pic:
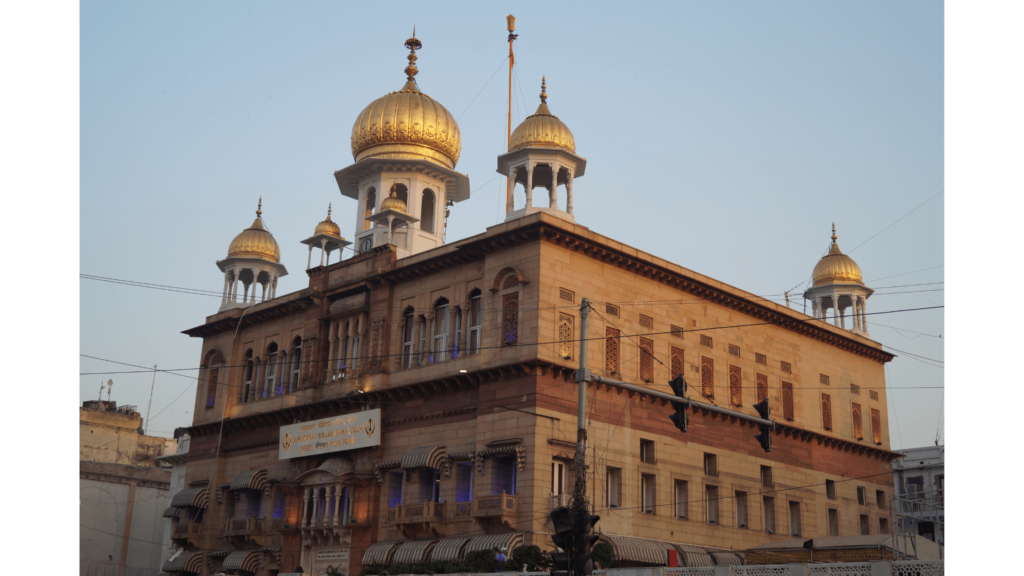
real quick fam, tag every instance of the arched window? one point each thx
(247, 376)
(458, 332)
(510, 318)
(371, 203)
(268, 372)
(439, 332)
(475, 321)
(213, 362)
(408, 338)
(296, 366)
(427, 211)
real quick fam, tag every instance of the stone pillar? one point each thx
(282, 371)
(234, 285)
(464, 332)
(358, 348)
(224, 295)
(420, 337)
(553, 192)
(316, 504)
(337, 504)
(274, 285)
(428, 322)
(305, 506)
(263, 292)
(529, 184)
(568, 191)
(512, 189)
(331, 343)
(835, 306)
(349, 358)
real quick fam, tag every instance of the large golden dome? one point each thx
(542, 129)
(328, 226)
(407, 124)
(836, 267)
(255, 242)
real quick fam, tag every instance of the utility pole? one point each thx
(579, 493)
(150, 407)
(508, 141)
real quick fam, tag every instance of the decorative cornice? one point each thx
(257, 315)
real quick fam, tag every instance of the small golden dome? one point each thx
(393, 202)
(836, 267)
(327, 226)
(543, 129)
(407, 124)
(255, 242)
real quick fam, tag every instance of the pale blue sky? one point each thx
(723, 136)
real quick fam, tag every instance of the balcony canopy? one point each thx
(246, 560)
(380, 553)
(491, 541)
(195, 497)
(251, 480)
(424, 457)
(449, 549)
(185, 562)
(413, 551)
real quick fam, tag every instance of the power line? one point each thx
(897, 221)
(503, 346)
(905, 273)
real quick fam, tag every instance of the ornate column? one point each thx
(420, 338)
(464, 332)
(529, 184)
(316, 504)
(274, 284)
(305, 506)
(553, 192)
(331, 340)
(428, 321)
(358, 348)
(512, 188)
(234, 288)
(224, 295)
(452, 343)
(282, 372)
(568, 191)
(350, 357)
(337, 504)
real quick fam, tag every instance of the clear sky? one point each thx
(723, 136)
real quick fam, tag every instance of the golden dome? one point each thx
(393, 202)
(543, 129)
(836, 267)
(327, 226)
(407, 124)
(255, 242)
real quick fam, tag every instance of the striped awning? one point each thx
(245, 560)
(197, 497)
(380, 467)
(727, 559)
(448, 549)
(491, 541)
(380, 553)
(219, 553)
(413, 551)
(171, 512)
(251, 480)
(631, 549)
(424, 457)
(185, 562)
(694, 556)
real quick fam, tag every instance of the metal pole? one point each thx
(508, 141)
(150, 407)
(580, 488)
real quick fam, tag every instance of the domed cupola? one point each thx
(327, 237)
(837, 285)
(541, 152)
(408, 141)
(254, 257)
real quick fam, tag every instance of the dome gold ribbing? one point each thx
(328, 226)
(836, 267)
(542, 129)
(255, 242)
(393, 202)
(407, 124)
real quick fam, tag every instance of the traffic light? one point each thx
(680, 418)
(573, 534)
(765, 437)
(562, 526)
(583, 560)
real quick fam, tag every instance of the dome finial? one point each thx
(259, 208)
(413, 45)
(834, 232)
(543, 90)
(328, 211)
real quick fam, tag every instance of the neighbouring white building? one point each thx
(176, 463)
(920, 484)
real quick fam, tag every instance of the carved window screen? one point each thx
(873, 394)
(677, 332)
(646, 360)
(566, 295)
(826, 411)
(211, 388)
(854, 389)
(707, 377)
(762, 388)
(735, 385)
(677, 367)
(876, 426)
(510, 281)
(611, 351)
(706, 341)
(647, 321)
(761, 358)
(787, 400)
(611, 310)
(787, 368)
(565, 325)
(858, 428)
(510, 323)
(823, 378)
(734, 350)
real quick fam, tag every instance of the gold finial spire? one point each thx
(413, 45)
(394, 191)
(328, 211)
(259, 209)
(833, 231)
(543, 90)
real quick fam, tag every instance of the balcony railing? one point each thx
(187, 530)
(500, 505)
(559, 500)
(239, 526)
(407, 513)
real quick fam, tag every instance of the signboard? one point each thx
(336, 555)
(334, 434)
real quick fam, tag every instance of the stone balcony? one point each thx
(246, 530)
(187, 533)
(417, 520)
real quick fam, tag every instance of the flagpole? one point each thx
(508, 142)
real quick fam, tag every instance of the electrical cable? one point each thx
(897, 221)
(482, 89)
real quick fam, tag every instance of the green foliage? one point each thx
(532, 556)
(479, 561)
(603, 556)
